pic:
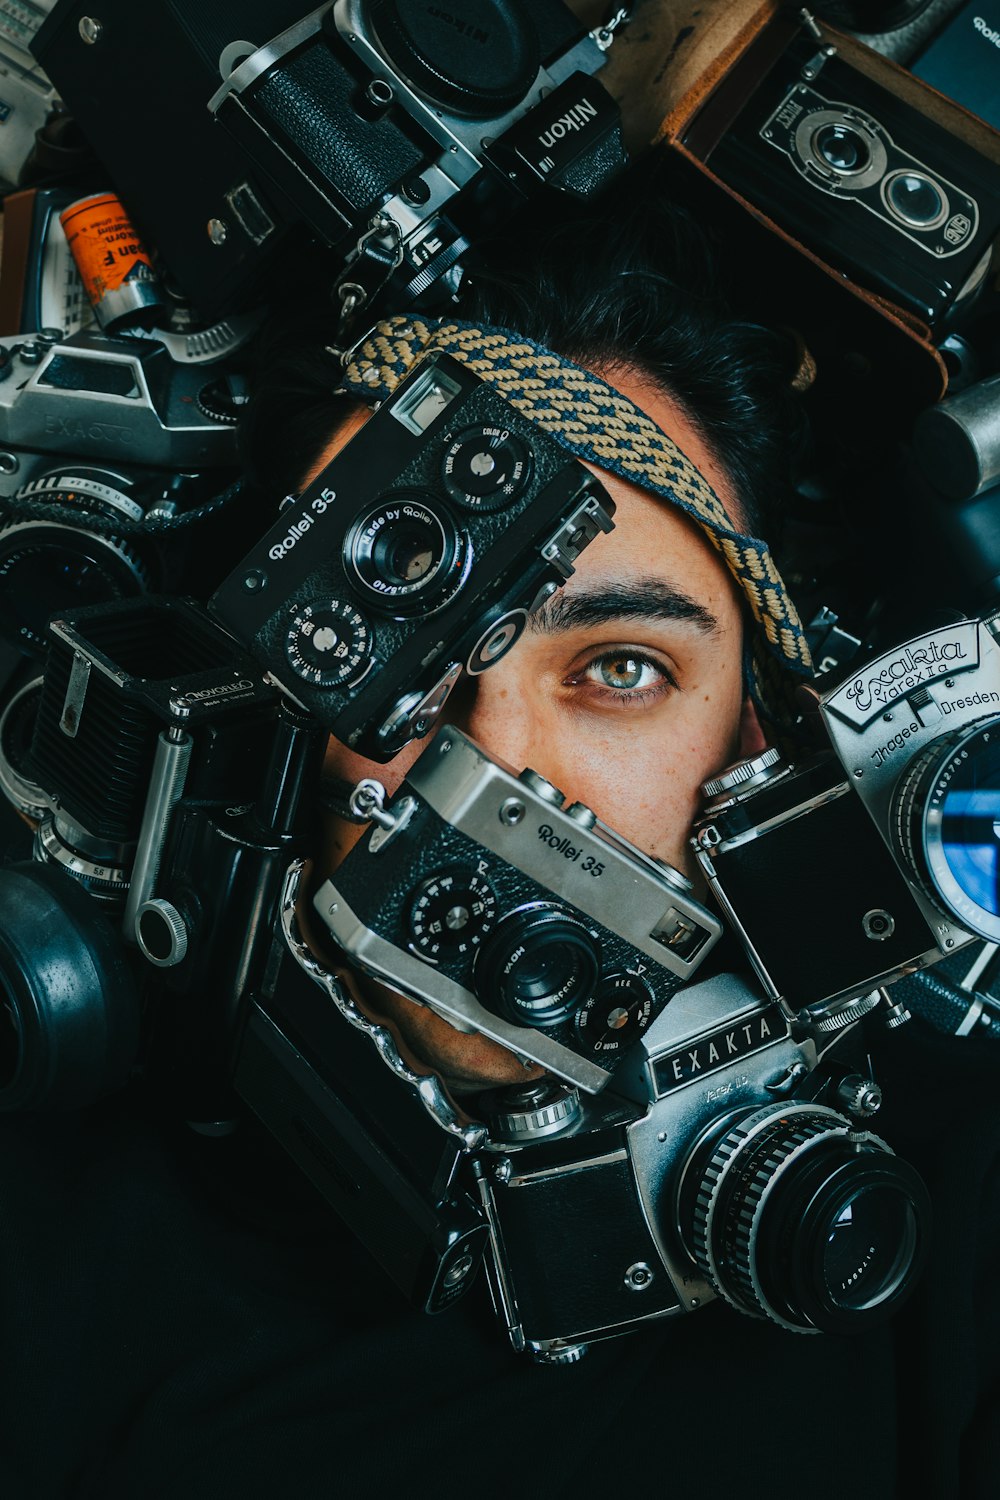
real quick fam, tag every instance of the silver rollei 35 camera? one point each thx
(901, 818)
(483, 897)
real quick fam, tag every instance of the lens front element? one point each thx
(407, 555)
(947, 823)
(796, 1218)
(539, 966)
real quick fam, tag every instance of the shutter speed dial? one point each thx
(329, 643)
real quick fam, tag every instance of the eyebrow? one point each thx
(647, 599)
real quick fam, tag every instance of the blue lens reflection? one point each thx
(969, 833)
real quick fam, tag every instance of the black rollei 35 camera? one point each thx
(482, 896)
(417, 554)
(877, 188)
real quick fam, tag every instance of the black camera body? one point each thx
(416, 555)
(880, 190)
(483, 896)
(899, 814)
(362, 121)
(170, 786)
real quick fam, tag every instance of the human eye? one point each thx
(623, 675)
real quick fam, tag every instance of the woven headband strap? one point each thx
(595, 422)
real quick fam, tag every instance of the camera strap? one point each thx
(593, 421)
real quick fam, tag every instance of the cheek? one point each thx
(647, 783)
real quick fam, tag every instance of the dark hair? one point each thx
(628, 279)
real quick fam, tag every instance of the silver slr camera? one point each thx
(900, 814)
(480, 894)
(730, 1158)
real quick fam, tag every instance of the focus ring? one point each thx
(813, 1123)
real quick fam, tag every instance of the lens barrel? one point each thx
(407, 555)
(538, 967)
(69, 1006)
(796, 1217)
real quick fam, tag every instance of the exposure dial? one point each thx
(329, 643)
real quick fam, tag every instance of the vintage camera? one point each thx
(481, 895)
(729, 1156)
(899, 814)
(879, 189)
(169, 786)
(417, 554)
(365, 121)
(113, 454)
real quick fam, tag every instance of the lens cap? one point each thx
(478, 58)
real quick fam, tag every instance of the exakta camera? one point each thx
(415, 556)
(900, 815)
(879, 189)
(729, 1156)
(480, 894)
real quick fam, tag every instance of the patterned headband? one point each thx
(595, 422)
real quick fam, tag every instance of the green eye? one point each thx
(622, 672)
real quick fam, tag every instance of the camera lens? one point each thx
(792, 1219)
(69, 1008)
(947, 819)
(46, 568)
(843, 148)
(538, 967)
(406, 555)
(479, 61)
(915, 199)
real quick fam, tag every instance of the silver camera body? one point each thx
(484, 897)
(900, 814)
(729, 1158)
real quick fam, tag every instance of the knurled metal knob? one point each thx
(751, 771)
(530, 1110)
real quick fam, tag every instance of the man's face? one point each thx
(625, 691)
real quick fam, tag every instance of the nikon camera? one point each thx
(392, 130)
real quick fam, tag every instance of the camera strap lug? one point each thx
(366, 804)
(617, 18)
(377, 254)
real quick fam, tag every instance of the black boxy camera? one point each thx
(363, 121)
(169, 786)
(879, 189)
(483, 896)
(417, 554)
